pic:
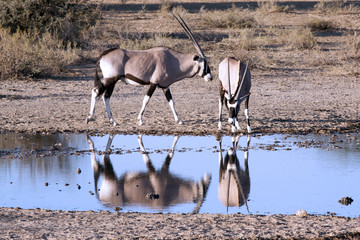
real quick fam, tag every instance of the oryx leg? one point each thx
(232, 117)
(221, 101)
(146, 101)
(106, 98)
(237, 108)
(94, 95)
(246, 111)
(172, 104)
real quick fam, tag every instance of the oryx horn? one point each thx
(189, 33)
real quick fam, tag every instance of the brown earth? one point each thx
(297, 98)
(293, 102)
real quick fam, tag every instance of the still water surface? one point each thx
(276, 174)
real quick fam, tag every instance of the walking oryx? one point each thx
(157, 189)
(157, 67)
(235, 84)
(234, 182)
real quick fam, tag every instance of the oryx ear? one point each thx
(196, 58)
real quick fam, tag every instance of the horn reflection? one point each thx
(157, 189)
(234, 182)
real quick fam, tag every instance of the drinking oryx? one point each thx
(157, 189)
(157, 67)
(234, 182)
(235, 84)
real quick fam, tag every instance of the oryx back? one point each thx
(231, 73)
(235, 85)
(160, 65)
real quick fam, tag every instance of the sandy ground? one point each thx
(44, 224)
(292, 103)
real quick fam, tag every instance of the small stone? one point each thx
(78, 171)
(346, 201)
(301, 213)
(152, 196)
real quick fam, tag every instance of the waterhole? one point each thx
(258, 174)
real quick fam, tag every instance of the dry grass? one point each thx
(273, 6)
(317, 24)
(337, 6)
(300, 38)
(233, 18)
(26, 54)
(273, 36)
(353, 41)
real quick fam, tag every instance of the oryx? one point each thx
(235, 84)
(157, 67)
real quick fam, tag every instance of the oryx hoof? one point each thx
(219, 126)
(180, 122)
(249, 129)
(113, 123)
(88, 119)
(140, 122)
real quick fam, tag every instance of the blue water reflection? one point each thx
(271, 174)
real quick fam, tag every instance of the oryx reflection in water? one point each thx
(234, 182)
(156, 189)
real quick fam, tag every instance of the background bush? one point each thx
(24, 55)
(38, 37)
(65, 18)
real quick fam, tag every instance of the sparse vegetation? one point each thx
(38, 37)
(67, 19)
(273, 6)
(353, 42)
(300, 38)
(233, 18)
(321, 25)
(337, 6)
(26, 55)
(266, 39)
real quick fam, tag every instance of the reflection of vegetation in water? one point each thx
(33, 151)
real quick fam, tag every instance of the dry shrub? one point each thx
(273, 6)
(346, 67)
(26, 55)
(337, 6)
(300, 38)
(234, 18)
(158, 39)
(321, 25)
(167, 7)
(245, 39)
(353, 41)
(65, 18)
